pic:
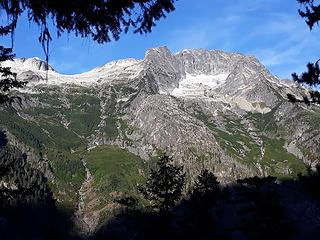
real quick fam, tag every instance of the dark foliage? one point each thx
(198, 212)
(312, 183)
(257, 182)
(250, 209)
(310, 10)
(314, 98)
(8, 79)
(164, 185)
(205, 187)
(3, 139)
(254, 208)
(27, 207)
(128, 202)
(99, 19)
(267, 218)
(311, 79)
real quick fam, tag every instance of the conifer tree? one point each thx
(164, 185)
(8, 79)
(206, 185)
(310, 11)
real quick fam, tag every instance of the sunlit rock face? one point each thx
(28, 64)
(164, 68)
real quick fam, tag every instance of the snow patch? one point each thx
(198, 85)
(26, 64)
(120, 70)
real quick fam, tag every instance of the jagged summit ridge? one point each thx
(201, 61)
(193, 61)
(27, 64)
(189, 73)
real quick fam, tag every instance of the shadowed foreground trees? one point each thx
(252, 208)
(312, 183)
(267, 220)
(310, 11)
(8, 79)
(164, 185)
(27, 206)
(206, 186)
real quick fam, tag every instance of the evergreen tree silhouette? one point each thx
(310, 11)
(164, 185)
(206, 186)
(199, 210)
(8, 79)
(266, 218)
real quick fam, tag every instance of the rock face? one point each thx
(32, 64)
(209, 109)
(165, 69)
(206, 62)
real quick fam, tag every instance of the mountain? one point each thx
(95, 134)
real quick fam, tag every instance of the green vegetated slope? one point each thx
(278, 162)
(115, 169)
(25, 183)
(56, 125)
(116, 174)
(246, 144)
(79, 110)
(56, 129)
(110, 130)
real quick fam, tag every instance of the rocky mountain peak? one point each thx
(189, 73)
(208, 62)
(27, 64)
(164, 68)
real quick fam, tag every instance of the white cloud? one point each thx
(293, 41)
(215, 32)
(66, 48)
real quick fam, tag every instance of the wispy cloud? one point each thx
(291, 44)
(270, 29)
(277, 36)
(215, 32)
(66, 48)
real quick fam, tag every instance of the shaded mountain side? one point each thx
(27, 206)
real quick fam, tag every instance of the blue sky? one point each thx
(269, 29)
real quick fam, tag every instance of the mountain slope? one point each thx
(222, 111)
